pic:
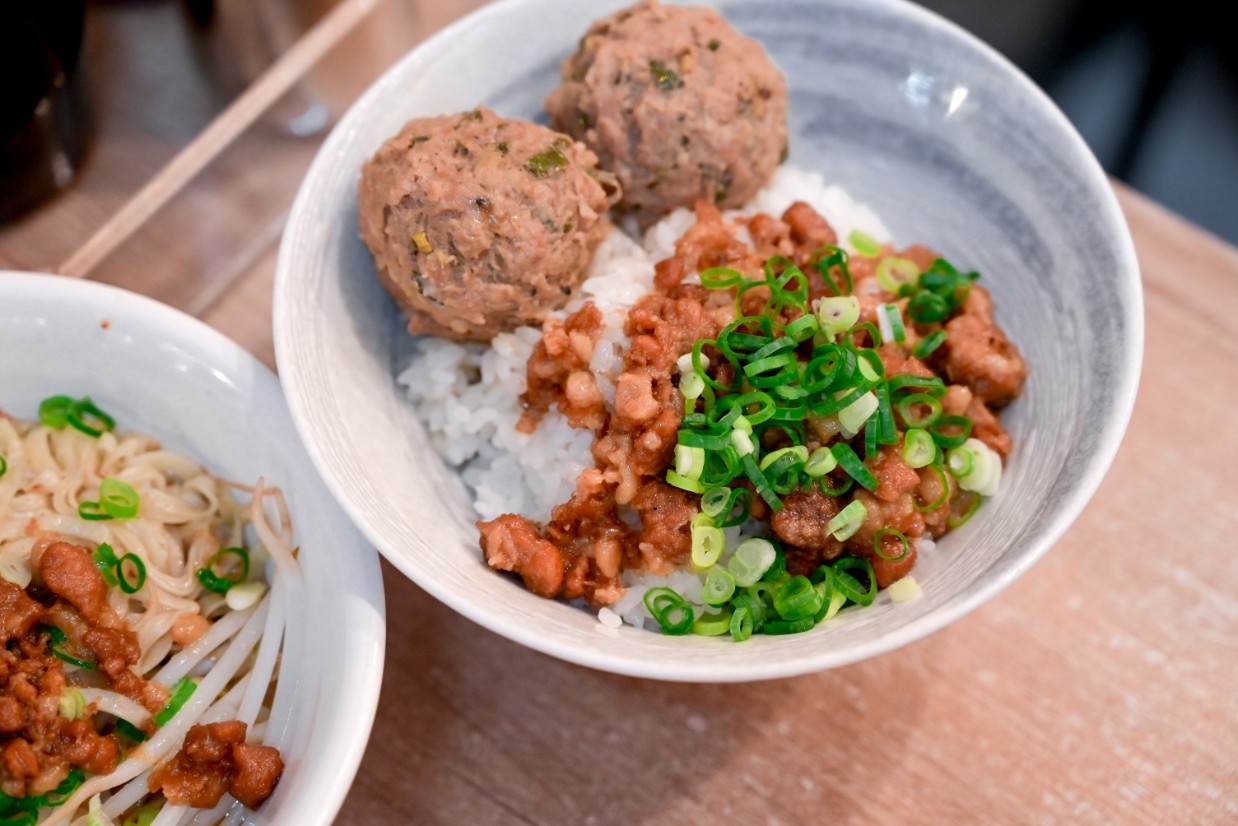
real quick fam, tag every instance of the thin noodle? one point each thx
(186, 517)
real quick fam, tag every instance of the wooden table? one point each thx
(1101, 688)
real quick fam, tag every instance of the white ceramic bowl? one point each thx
(944, 138)
(160, 371)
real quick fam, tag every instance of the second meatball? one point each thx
(677, 104)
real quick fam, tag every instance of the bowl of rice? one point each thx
(903, 129)
(141, 444)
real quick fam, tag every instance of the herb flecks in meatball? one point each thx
(677, 104)
(479, 224)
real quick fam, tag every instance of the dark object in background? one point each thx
(43, 117)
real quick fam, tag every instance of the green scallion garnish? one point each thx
(82, 414)
(220, 583)
(180, 695)
(670, 610)
(56, 639)
(117, 500)
(131, 580)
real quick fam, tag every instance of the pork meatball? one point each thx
(479, 224)
(677, 104)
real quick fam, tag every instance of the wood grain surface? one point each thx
(1100, 688)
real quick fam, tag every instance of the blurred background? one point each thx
(1152, 87)
(1153, 90)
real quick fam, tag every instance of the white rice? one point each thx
(468, 395)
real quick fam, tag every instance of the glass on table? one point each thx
(43, 113)
(206, 239)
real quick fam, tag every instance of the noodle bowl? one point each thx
(227, 643)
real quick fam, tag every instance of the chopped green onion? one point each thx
(830, 258)
(864, 244)
(797, 454)
(838, 313)
(92, 512)
(85, 416)
(909, 406)
(919, 449)
(212, 581)
(670, 610)
(851, 463)
(751, 560)
(890, 322)
(803, 327)
(904, 590)
(879, 542)
(689, 461)
(130, 586)
(180, 695)
(929, 344)
(960, 461)
(24, 811)
(849, 520)
(820, 462)
(836, 599)
(743, 622)
(713, 625)
(865, 328)
(951, 431)
(691, 386)
(742, 442)
(118, 499)
(759, 482)
(681, 482)
(893, 273)
(868, 362)
(962, 508)
(928, 308)
(127, 729)
(105, 560)
(980, 466)
(852, 588)
(721, 278)
(789, 626)
(797, 600)
(72, 704)
(54, 411)
(853, 416)
(714, 500)
(945, 491)
(245, 594)
(735, 511)
(57, 638)
(708, 543)
(719, 586)
(926, 384)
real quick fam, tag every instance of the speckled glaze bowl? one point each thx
(948, 142)
(159, 371)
